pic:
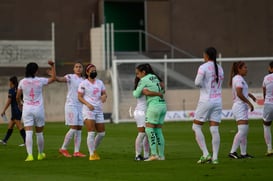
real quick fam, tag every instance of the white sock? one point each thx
(77, 140)
(98, 139)
(243, 143)
(91, 142)
(40, 142)
(68, 138)
(267, 137)
(214, 130)
(239, 138)
(146, 146)
(199, 136)
(139, 143)
(29, 141)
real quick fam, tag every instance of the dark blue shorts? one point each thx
(16, 116)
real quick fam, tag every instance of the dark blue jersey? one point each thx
(15, 111)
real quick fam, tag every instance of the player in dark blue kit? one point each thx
(16, 114)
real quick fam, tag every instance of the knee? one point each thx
(101, 134)
(214, 130)
(196, 127)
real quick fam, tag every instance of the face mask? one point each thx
(93, 75)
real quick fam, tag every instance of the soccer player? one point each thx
(156, 110)
(141, 141)
(31, 87)
(16, 113)
(240, 108)
(73, 111)
(92, 94)
(268, 108)
(209, 79)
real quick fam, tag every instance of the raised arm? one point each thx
(61, 79)
(53, 72)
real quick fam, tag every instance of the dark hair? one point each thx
(235, 70)
(271, 64)
(212, 54)
(14, 81)
(88, 66)
(148, 70)
(31, 69)
(136, 82)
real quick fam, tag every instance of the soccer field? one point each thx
(117, 156)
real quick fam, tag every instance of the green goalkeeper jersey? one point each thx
(151, 83)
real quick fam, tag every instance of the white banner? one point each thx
(19, 53)
(226, 114)
(188, 115)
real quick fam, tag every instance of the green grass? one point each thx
(117, 153)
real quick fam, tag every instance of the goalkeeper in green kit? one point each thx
(156, 109)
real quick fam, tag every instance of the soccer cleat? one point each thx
(161, 158)
(41, 156)
(29, 158)
(21, 145)
(152, 158)
(93, 157)
(204, 159)
(269, 153)
(79, 154)
(139, 158)
(215, 162)
(247, 156)
(65, 153)
(3, 142)
(234, 155)
(96, 155)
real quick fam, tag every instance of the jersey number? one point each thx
(31, 93)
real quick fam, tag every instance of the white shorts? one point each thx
(268, 112)
(34, 116)
(97, 116)
(240, 111)
(73, 115)
(208, 111)
(139, 116)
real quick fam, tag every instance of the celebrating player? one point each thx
(73, 111)
(141, 141)
(209, 78)
(156, 110)
(92, 94)
(31, 87)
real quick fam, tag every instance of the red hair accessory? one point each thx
(89, 67)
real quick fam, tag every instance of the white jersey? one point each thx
(141, 104)
(239, 82)
(268, 84)
(92, 93)
(210, 90)
(32, 91)
(73, 82)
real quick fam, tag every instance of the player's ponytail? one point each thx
(212, 54)
(235, 70)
